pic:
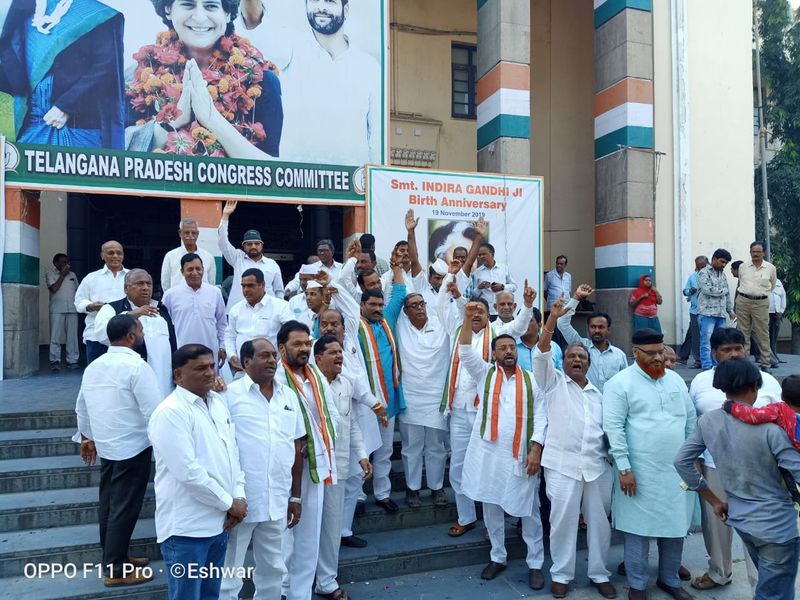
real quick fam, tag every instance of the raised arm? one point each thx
(471, 360)
(544, 371)
(519, 325)
(392, 310)
(228, 251)
(413, 253)
(480, 232)
(449, 317)
(565, 322)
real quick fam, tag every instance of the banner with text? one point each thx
(448, 203)
(212, 99)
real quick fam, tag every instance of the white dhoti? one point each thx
(301, 542)
(270, 568)
(418, 443)
(382, 463)
(569, 498)
(330, 537)
(64, 330)
(353, 489)
(461, 423)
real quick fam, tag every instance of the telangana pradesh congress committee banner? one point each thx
(448, 203)
(248, 98)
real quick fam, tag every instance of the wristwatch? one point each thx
(295, 500)
(624, 471)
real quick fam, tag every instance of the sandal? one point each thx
(337, 594)
(704, 582)
(457, 530)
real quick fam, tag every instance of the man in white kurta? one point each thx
(301, 544)
(647, 415)
(499, 470)
(329, 359)
(423, 344)
(258, 315)
(269, 434)
(171, 272)
(459, 398)
(575, 461)
(197, 308)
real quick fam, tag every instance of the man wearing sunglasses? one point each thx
(647, 415)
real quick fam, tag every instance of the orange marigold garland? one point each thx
(233, 77)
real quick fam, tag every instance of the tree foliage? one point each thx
(780, 60)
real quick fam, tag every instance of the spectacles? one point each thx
(661, 352)
(416, 305)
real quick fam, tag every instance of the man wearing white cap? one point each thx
(250, 256)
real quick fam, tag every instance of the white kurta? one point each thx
(171, 274)
(424, 355)
(197, 315)
(491, 473)
(246, 322)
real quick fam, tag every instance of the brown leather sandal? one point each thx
(457, 530)
(704, 582)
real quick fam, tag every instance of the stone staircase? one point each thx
(49, 508)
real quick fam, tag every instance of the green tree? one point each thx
(780, 60)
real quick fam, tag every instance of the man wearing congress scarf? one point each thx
(301, 543)
(376, 339)
(501, 466)
(459, 397)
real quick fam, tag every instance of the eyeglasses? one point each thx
(661, 352)
(416, 305)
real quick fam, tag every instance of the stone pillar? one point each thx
(503, 87)
(208, 214)
(21, 285)
(623, 150)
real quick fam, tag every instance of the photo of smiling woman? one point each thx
(203, 90)
(61, 61)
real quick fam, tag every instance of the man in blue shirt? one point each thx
(377, 343)
(527, 344)
(691, 342)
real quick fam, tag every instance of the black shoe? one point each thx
(684, 574)
(439, 498)
(55, 366)
(73, 366)
(696, 365)
(412, 499)
(388, 505)
(535, 579)
(361, 506)
(621, 569)
(678, 593)
(492, 570)
(352, 541)
(766, 370)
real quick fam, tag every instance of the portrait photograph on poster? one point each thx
(249, 97)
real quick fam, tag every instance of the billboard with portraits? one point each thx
(263, 99)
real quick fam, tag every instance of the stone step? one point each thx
(38, 420)
(37, 443)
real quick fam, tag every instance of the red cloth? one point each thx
(648, 307)
(779, 413)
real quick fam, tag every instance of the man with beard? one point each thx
(459, 398)
(358, 274)
(607, 359)
(199, 485)
(329, 358)
(197, 308)
(404, 258)
(321, 417)
(647, 415)
(575, 462)
(96, 290)
(118, 394)
(258, 315)
(270, 435)
(324, 63)
(251, 256)
(501, 466)
(159, 333)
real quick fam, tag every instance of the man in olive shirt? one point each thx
(756, 282)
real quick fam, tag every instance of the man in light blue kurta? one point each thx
(647, 415)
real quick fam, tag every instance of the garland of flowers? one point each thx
(233, 79)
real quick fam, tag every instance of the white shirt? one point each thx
(707, 398)
(351, 81)
(156, 341)
(98, 286)
(247, 322)
(349, 441)
(197, 465)
(574, 442)
(197, 315)
(298, 305)
(118, 394)
(241, 262)
(387, 281)
(265, 435)
(171, 267)
(424, 358)
(423, 286)
(499, 273)
(555, 285)
(293, 287)
(777, 298)
(62, 301)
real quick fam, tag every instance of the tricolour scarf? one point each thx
(494, 417)
(455, 365)
(372, 356)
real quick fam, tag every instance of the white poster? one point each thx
(448, 203)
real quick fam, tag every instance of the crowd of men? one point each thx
(265, 417)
